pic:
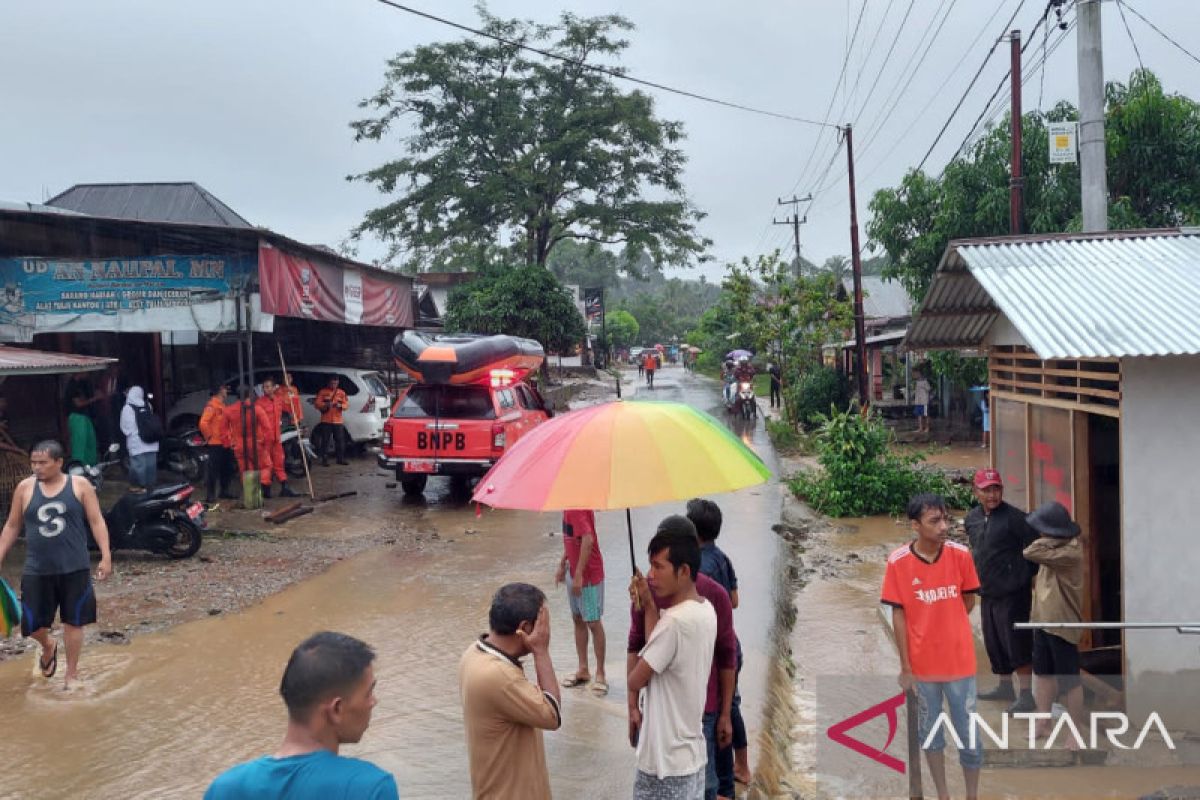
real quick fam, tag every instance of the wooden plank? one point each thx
(1087, 375)
(1107, 411)
(1082, 495)
(1058, 388)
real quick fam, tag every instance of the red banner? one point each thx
(294, 286)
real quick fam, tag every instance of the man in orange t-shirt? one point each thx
(215, 429)
(931, 584)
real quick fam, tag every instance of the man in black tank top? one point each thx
(56, 511)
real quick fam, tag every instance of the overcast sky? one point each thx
(251, 99)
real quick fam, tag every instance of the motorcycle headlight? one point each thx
(745, 387)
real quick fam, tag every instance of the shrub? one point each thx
(785, 437)
(818, 390)
(859, 476)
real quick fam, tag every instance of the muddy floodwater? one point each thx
(160, 717)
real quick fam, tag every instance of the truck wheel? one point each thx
(413, 485)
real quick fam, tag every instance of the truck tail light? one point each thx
(387, 435)
(498, 436)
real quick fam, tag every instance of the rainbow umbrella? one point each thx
(620, 455)
(10, 609)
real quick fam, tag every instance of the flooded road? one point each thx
(162, 716)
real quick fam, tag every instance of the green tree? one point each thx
(523, 301)
(584, 265)
(783, 317)
(622, 329)
(1153, 148)
(507, 146)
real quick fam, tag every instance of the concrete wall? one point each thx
(1160, 474)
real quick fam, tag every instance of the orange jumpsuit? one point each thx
(289, 398)
(213, 425)
(274, 407)
(261, 443)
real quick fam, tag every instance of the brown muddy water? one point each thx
(160, 717)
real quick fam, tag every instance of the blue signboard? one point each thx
(40, 287)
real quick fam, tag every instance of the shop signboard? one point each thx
(131, 294)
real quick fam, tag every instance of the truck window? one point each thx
(448, 402)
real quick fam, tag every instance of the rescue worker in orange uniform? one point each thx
(292, 404)
(215, 429)
(273, 402)
(250, 427)
(331, 402)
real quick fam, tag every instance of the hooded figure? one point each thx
(143, 455)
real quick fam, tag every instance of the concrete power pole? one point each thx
(795, 221)
(1093, 167)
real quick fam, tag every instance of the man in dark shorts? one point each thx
(57, 511)
(998, 533)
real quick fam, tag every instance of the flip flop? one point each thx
(48, 670)
(600, 688)
(573, 681)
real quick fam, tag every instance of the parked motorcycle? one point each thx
(162, 520)
(184, 454)
(293, 440)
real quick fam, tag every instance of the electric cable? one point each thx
(970, 86)
(1125, 22)
(611, 73)
(1156, 29)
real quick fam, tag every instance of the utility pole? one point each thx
(860, 326)
(795, 221)
(1093, 169)
(1016, 183)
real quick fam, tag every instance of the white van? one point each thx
(370, 401)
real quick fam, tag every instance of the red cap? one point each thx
(987, 477)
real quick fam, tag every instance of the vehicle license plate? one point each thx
(419, 466)
(195, 510)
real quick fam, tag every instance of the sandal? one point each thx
(48, 670)
(600, 688)
(573, 681)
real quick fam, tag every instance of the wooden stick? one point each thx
(281, 512)
(312, 495)
(299, 511)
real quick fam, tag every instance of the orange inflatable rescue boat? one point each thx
(458, 358)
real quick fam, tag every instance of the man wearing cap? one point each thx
(1057, 597)
(998, 534)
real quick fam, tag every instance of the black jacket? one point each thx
(996, 545)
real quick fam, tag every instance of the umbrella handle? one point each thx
(637, 600)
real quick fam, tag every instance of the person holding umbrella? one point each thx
(670, 667)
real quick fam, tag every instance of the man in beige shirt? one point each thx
(504, 714)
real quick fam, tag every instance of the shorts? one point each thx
(590, 604)
(960, 702)
(1008, 649)
(920, 411)
(1056, 658)
(69, 595)
(672, 787)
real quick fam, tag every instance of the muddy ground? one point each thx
(245, 559)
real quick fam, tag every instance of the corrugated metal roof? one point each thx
(881, 298)
(154, 202)
(22, 361)
(1079, 296)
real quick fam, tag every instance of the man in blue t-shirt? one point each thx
(329, 689)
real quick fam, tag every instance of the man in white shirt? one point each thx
(673, 668)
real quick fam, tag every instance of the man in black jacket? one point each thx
(998, 535)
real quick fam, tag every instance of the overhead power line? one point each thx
(1132, 41)
(1157, 30)
(602, 70)
(971, 85)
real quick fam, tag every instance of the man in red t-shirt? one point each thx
(582, 567)
(931, 584)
